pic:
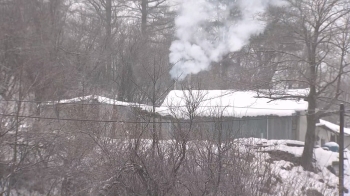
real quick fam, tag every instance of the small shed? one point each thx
(329, 132)
(109, 117)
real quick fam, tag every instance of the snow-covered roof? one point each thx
(332, 127)
(228, 103)
(102, 100)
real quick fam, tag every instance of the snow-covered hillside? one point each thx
(291, 178)
(240, 167)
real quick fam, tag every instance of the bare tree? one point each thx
(314, 26)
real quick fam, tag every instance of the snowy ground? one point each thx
(282, 158)
(291, 179)
(295, 180)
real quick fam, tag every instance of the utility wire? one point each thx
(127, 104)
(146, 122)
(140, 106)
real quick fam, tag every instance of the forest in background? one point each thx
(59, 49)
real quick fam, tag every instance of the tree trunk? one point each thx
(108, 40)
(311, 118)
(307, 156)
(144, 13)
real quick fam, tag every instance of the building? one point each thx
(99, 115)
(329, 132)
(190, 114)
(229, 114)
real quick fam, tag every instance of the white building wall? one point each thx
(347, 142)
(302, 127)
(323, 134)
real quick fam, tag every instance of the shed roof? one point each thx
(101, 100)
(332, 127)
(229, 103)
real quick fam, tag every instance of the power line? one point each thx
(174, 120)
(157, 111)
(143, 106)
(70, 119)
(127, 104)
(51, 103)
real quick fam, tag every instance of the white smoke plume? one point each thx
(206, 31)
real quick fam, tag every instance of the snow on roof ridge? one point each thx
(332, 126)
(101, 99)
(232, 103)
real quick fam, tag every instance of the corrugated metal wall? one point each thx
(258, 127)
(281, 128)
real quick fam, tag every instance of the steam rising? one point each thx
(206, 31)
